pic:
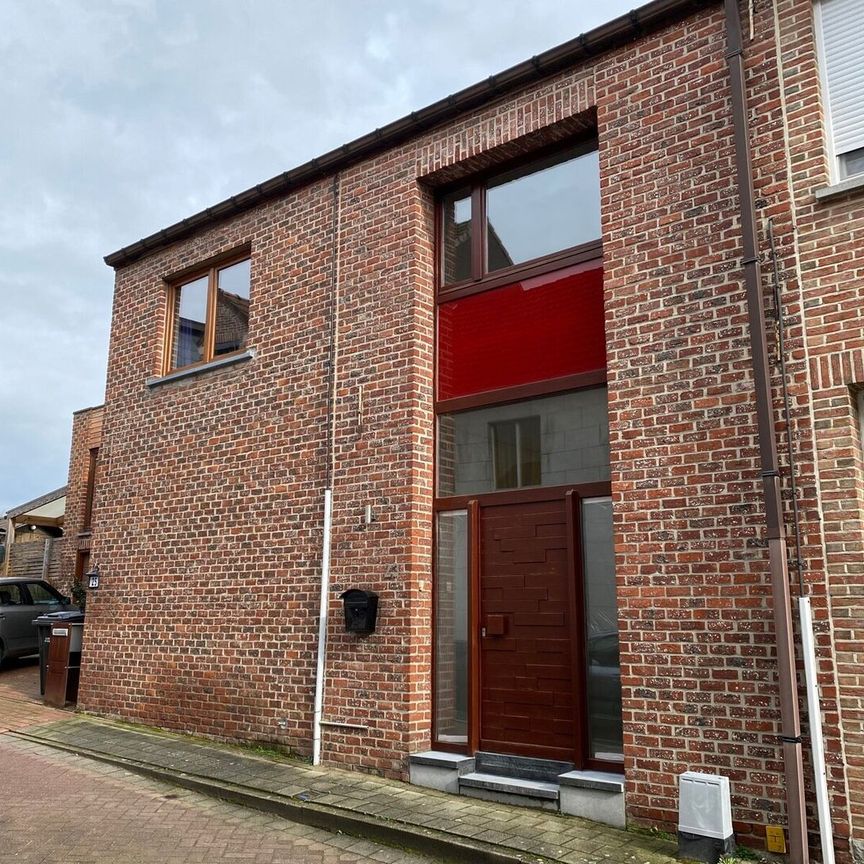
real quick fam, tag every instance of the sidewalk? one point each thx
(449, 827)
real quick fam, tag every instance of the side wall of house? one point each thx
(86, 436)
(831, 279)
(209, 509)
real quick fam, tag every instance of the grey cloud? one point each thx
(122, 117)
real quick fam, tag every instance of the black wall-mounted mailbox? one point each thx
(361, 610)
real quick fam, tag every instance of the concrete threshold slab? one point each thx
(426, 841)
(511, 785)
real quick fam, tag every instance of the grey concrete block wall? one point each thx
(574, 440)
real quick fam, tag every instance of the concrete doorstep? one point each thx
(433, 823)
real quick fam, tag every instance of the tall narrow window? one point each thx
(451, 627)
(87, 518)
(232, 308)
(209, 315)
(190, 323)
(605, 735)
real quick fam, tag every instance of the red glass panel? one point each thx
(540, 328)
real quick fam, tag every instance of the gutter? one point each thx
(616, 32)
(790, 719)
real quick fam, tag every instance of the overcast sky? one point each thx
(120, 118)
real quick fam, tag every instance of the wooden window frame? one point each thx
(175, 285)
(481, 279)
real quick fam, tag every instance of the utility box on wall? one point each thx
(704, 817)
(361, 610)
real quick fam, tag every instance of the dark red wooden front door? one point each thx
(527, 630)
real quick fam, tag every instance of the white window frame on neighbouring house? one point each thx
(839, 26)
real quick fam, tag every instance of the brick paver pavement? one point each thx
(63, 809)
(563, 839)
(20, 701)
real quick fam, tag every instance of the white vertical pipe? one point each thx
(323, 614)
(817, 746)
(324, 607)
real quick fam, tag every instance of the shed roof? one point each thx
(36, 503)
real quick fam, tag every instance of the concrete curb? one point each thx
(426, 841)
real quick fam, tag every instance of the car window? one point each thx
(11, 595)
(43, 595)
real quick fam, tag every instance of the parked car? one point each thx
(21, 601)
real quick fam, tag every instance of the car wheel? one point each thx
(2, 653)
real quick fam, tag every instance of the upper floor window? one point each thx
(521, 215)
(840, 29)
(90, 491)
(209, 315)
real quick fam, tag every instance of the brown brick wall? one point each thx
(209, 505)
(86, 435)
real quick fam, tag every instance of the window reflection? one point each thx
(232, 308)
(190, 320)
(456, 250)
(550, 441)
(541, 209)
(516, 452)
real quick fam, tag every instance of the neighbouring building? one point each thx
(83, 473)
(35, 540)
(527, 343)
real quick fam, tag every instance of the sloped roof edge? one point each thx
(596, 41)
(47, 498)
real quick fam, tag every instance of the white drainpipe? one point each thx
(324, 606)
(323, 615)
(817, 747)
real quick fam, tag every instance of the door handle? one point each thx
(483, 631)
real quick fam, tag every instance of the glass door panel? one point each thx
(451, 627)
(603, 674)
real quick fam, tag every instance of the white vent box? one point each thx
(704, 816)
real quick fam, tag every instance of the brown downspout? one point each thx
(789, 715)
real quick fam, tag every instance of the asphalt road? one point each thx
(59, 808)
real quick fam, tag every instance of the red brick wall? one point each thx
(694, 597)
(830, 275)
(209, 508)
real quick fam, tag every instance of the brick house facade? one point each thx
(209, 510)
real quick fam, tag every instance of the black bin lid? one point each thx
(70, 617)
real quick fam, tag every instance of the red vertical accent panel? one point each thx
(540, 328)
